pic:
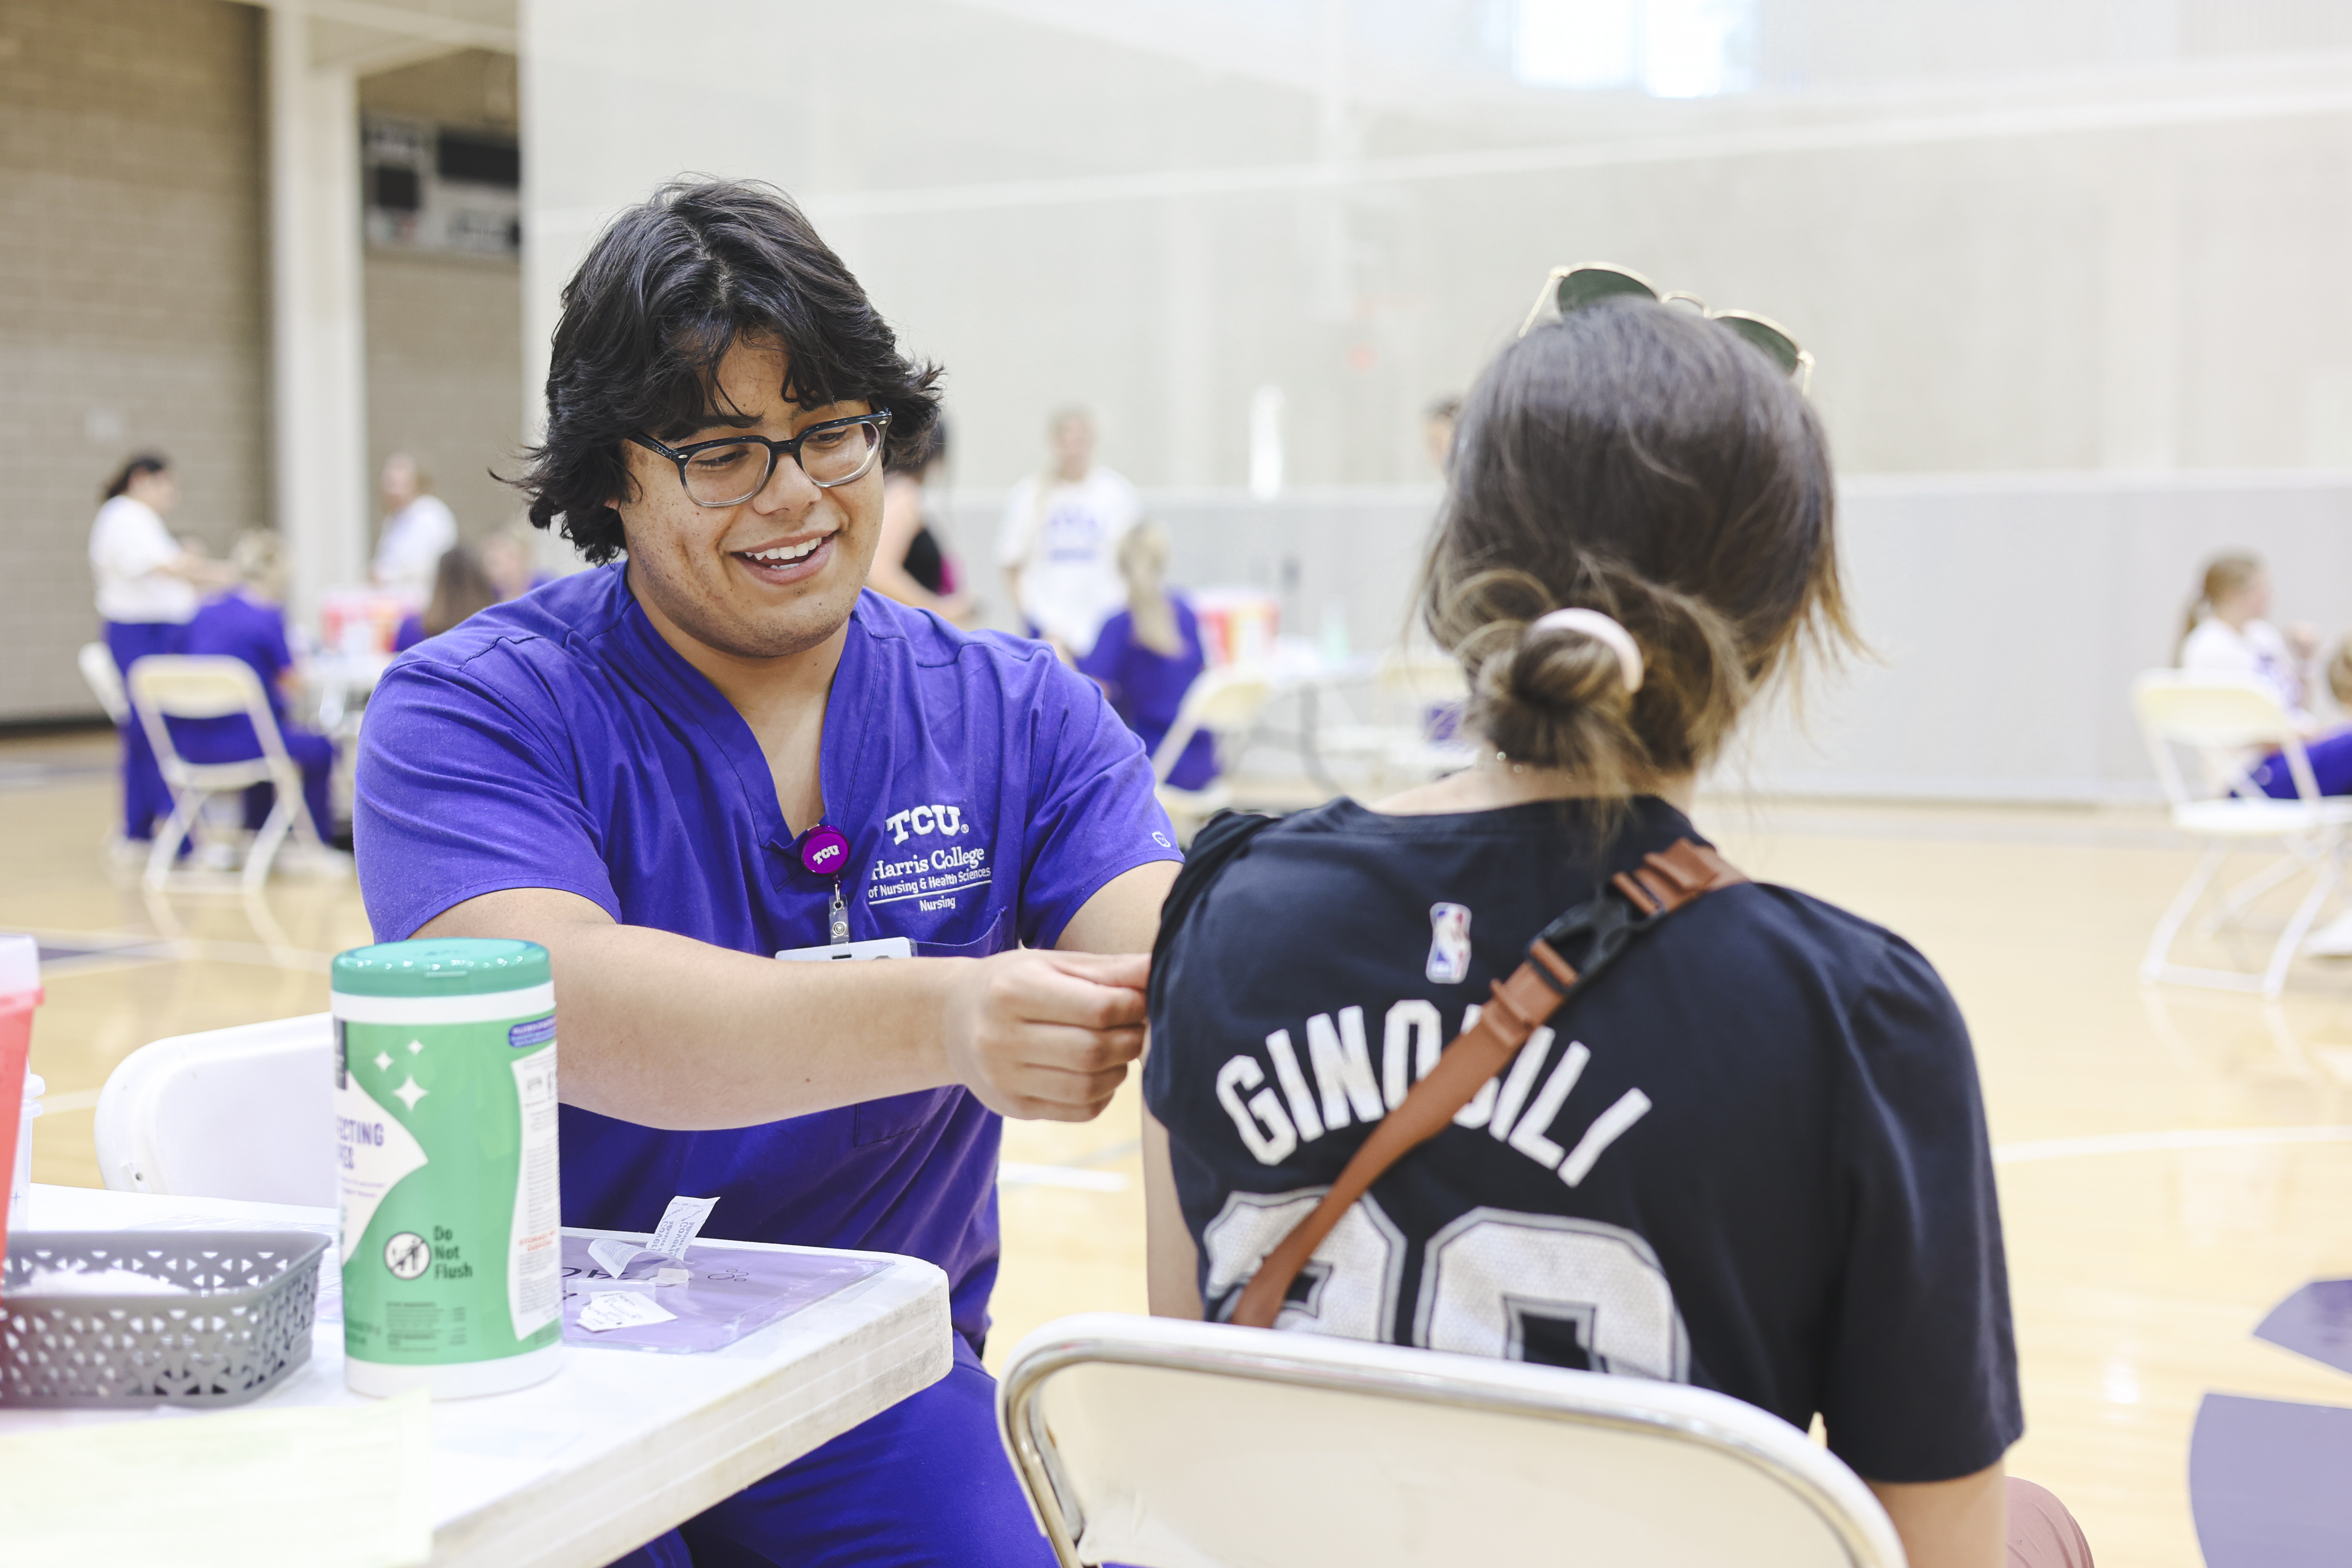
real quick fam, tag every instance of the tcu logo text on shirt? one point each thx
(947, 820)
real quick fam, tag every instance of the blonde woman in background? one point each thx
(1148, 653)
(417, 528)
(2227, 632)
(1059, 545)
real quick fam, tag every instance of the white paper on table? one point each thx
(345, 1487)
(680, 1224)
(622, 1309)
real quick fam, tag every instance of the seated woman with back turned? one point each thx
(1751, 1155)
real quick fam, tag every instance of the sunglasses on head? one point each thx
(1573, 288)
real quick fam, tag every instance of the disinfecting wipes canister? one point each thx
(444, 1139)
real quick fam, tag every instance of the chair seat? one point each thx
(2240, 818)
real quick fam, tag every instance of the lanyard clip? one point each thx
(837, 918)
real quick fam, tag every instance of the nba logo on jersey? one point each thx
(1449, 944)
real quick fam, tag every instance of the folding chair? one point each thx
(1416, 681)
(2230, 722)
(105, 681)
(244, 1113)
(185, 685)
(1226, 702)
(1178, 1445)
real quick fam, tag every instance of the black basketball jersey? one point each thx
(1751, 1156)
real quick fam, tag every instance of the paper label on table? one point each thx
(304, 1486)
(373, 1152)
(622, 1309)
(534, 1269)
(680, 1224)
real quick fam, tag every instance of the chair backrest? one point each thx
(1421, 676)
(1204, 1445)
(246, 1112)
(200, 686)
(1223, 701)
(105, 681)
(2223, 718)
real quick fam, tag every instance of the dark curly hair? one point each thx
(668, 288)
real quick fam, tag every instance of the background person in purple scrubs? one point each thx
(620, 766)
(249, 622)
(1150, 654)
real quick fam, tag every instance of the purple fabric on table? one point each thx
(2331, 769)
(2317, 1321)
(558, 742)
(923, 1484)
(145, 796)
(237, 627)
(733, 1292)
(1147, 689)
(2266, 1483)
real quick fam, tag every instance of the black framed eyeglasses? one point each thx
(733, 470)
(1573, 288)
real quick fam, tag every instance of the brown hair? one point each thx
(1645, 462)
(146, 463)
(2225, 576)
(460, 588)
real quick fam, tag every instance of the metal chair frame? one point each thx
(215, 686)
(2226, 719)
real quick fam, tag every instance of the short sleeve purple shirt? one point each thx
(557, 742)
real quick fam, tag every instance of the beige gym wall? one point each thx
(132, 312)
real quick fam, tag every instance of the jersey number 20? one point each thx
(1522, 1287)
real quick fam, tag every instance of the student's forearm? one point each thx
(666, 1031)
(670, 1032)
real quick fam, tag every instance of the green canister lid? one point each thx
(441, 966)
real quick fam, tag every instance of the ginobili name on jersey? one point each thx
(1513, 1106)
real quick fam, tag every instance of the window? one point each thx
(1667, 49)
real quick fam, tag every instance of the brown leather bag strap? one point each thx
(1663, 883)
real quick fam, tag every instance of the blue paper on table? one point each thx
(731, 1291)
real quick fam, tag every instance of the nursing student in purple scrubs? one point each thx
(249, 622)
(1148, 655)
(627, 765)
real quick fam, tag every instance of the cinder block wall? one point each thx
(132, 312)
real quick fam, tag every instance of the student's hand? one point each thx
(1047, 1034)
(2303, 640)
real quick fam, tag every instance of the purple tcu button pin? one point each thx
(824, 852)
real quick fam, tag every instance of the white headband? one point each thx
(1601, 629)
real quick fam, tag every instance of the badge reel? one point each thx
(825, 853)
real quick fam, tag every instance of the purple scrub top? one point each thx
(1147, 689)
(240, 628)
(986, 791)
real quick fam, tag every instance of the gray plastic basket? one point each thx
(249, 1327)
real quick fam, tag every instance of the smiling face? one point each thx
(766, 578)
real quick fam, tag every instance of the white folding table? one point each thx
(620, 1445)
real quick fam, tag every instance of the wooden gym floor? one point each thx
(2172, 1163)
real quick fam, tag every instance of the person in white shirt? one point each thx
(147, 594)
(2227, 634)
(417, 528)
(1059, 547)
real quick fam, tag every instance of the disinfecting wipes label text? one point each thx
(534, 1289)
(373, 1152)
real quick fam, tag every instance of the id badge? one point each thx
(878, 947)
